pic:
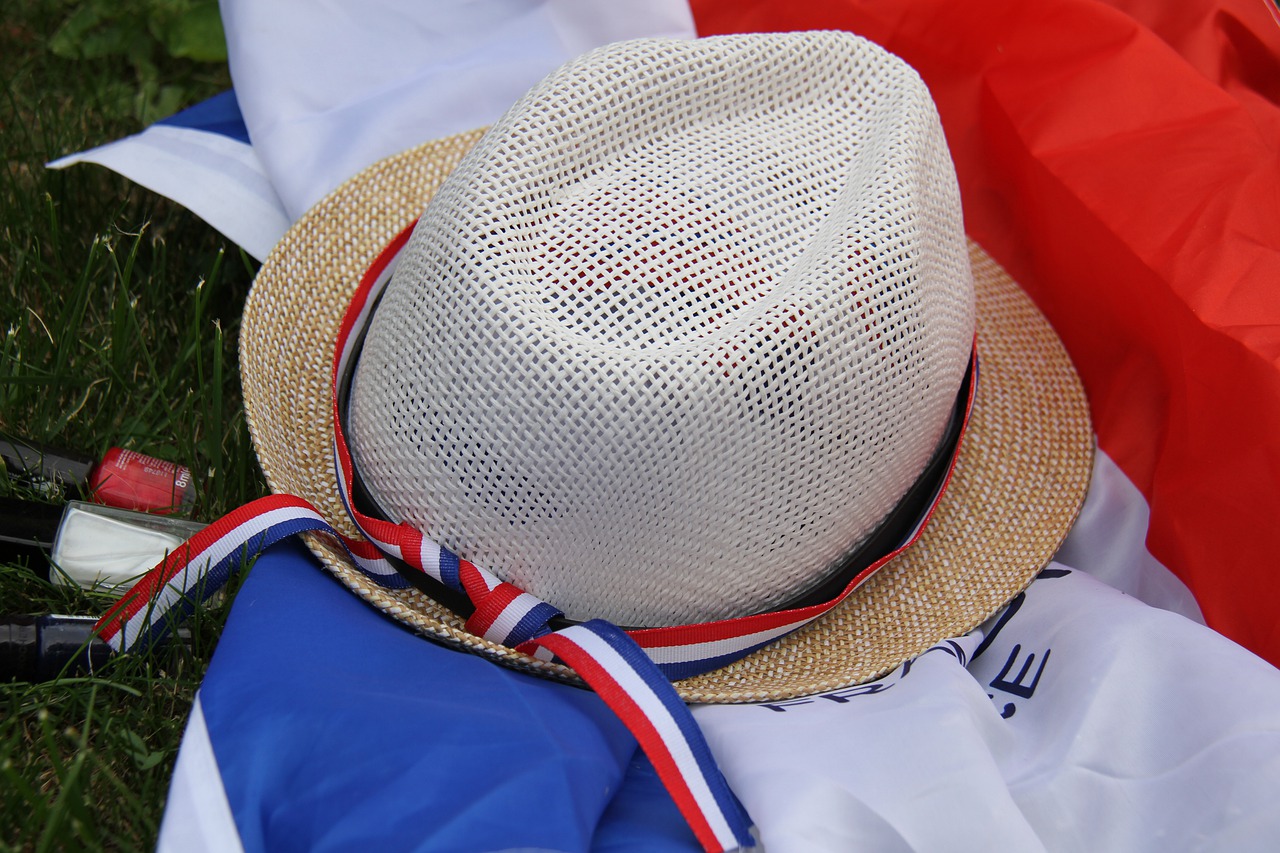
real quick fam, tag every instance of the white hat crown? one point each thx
(679, 332)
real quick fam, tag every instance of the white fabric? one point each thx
(1092, 722)
(219, 178)
(197, 815)
(325, 92)
(1109, 542)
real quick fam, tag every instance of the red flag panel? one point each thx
(1122, 161)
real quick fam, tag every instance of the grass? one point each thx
(118, 320)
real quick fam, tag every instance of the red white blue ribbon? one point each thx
(631, 671)
(620, 672)
(602, 654)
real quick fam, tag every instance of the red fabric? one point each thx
(1122, 161)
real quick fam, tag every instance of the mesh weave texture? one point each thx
(679, 331)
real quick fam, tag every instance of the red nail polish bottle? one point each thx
(122, 478)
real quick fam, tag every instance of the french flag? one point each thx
(1118, 157)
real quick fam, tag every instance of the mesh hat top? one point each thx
(662, 351)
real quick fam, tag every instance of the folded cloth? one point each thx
(1079, 719)
(327, 94)
(323, 725)
(202, 158)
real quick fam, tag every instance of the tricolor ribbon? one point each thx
(632, 670)
(601, 653)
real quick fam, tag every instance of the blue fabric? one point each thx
(219, 114)
(642, 816)
(335, 728)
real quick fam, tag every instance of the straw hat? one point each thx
(670, 340)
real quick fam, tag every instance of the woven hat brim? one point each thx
(1017, 487)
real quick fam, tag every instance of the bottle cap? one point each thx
(50, 470)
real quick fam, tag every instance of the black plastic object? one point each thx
(53, 471)
(41, 648)
(27, 531)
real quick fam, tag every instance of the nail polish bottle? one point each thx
(121, 478)
(89, 544)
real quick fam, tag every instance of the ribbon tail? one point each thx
(634, 688)
(192, 573)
